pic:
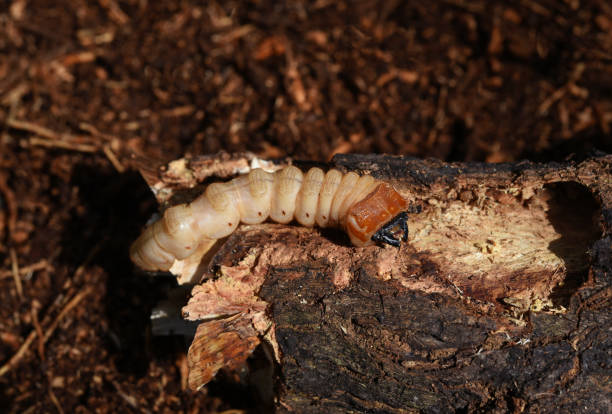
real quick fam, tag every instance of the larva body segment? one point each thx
(150, 255)
(346, 187)
(308, 197)
(364, 207)
(287, 185)
(331, 182)
(214, 223)
(364, 186)
(177, 233)
(252, 194)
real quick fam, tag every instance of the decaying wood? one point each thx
(499, 301)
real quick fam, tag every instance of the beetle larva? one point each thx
(367, 209)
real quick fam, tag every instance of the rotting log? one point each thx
(499, 301)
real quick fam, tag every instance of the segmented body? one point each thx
(361, 205)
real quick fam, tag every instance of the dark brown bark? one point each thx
(499, 301)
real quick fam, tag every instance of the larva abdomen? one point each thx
(288, 182)
(308, 197)
(215, 220)
(331, 182)
(359, 205)
(251, 195)
(346, 187)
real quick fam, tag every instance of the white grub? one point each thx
(358, 204)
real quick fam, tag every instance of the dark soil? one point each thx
(84, 85)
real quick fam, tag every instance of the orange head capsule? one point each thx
(373, 218)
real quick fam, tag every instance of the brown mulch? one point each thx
(85, 85)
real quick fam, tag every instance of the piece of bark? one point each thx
(498, 302)
(182, 179)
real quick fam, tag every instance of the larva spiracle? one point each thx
(367, 209)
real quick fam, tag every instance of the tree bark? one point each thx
(498, 302)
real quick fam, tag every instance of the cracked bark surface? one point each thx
(498, 302)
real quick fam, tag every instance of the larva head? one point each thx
(372, 213)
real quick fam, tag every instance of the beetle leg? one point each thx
(400, 220)
(404, 226)
(386, 235)
(383, 236)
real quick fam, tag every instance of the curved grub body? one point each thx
(360, 205)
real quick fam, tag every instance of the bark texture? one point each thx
(499, 301)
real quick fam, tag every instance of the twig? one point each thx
(18, 355)
(48, 138)
(562, 91)
(39, 332)
(42, 264)
(63, 144)
(79, 57)
(113, 158)
(15, 272)
(233, 34)
(114, 11)
(11, 205)
(35, 129)
(55, 401)
(183, 367)
(26, 344)
(106, 148)
(73, 302)
(97, 133)
(554, 97)
(126, 397)
(179, 111)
